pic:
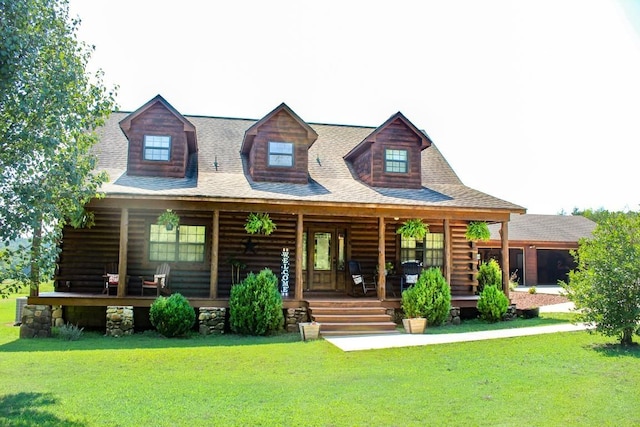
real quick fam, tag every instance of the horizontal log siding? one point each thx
(85, 251)
(280, 128)
(396, 136)
(267, 248)
(363, 240)
(463, 261)
(157, 120)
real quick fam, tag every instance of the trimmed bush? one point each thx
(492, 304)
(430, 297)
(489, 273)
(172, 316)
(255, 305)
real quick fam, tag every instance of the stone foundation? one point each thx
(119, 321)
(57, 316)
(36, 321)
(511, 313)
(295, 316)
(212, 320)
(454, 316)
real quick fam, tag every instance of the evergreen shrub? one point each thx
(255, 305)
(492, 304)
(172, 316)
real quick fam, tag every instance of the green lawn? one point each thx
(547, 380)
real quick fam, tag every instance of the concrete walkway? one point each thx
(373, 342)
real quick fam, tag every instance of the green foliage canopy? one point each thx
(605, 286)
(49, 108)
(430, 297)
(489, 274)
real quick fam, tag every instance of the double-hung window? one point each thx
(157, 148)
(396, 161)
(185, 243)
(281, 154)
(429, 251)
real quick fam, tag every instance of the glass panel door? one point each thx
(322, 254)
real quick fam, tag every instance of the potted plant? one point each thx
(309, 330)
(388, 268)
(413, 304)
(169, 219)
(413, 228)
(477, 231)
(259, 223)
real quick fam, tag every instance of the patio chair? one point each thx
(410, 272)
(110, 277)
(160, 281)
(359, 279)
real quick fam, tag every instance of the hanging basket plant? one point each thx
(259, 223)
(169, 219)
(413, 228)
(478, 231)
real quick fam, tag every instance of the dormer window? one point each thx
(157, 148)
(396, 161)
(281, 154)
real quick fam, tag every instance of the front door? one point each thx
(322, 260)
(324, 254)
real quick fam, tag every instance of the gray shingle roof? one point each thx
(331, 179)
(546, 228)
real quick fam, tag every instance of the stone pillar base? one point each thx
(294, 317)
(36, 321)
(212, 320)
(119, 320)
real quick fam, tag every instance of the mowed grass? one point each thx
(145, 380)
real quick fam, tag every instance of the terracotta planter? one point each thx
(309, 330)
(415, 325)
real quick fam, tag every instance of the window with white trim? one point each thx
(185, 243)
(429, 251)
(281, 154)
(157, 148)
(396, 160)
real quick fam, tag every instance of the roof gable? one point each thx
(189, 128)
(252, 132)
(425, 142)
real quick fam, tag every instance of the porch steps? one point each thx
(358, 317)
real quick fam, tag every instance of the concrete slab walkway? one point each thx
(373, 342)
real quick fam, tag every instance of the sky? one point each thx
(534, 102)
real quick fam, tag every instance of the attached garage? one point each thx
(539, 246)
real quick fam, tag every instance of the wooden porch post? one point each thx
(504, 233)
(213, 281)
(381, 259)
(447, 251)
(299, 234)
(123, 252)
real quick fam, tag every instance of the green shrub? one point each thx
(492, 304)
(430, 297)
(172, 316)
(69, 332)
(255, 305)
(533, 290)
(489, 273)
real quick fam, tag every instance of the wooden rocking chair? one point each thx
(359, 279)
(160, 281)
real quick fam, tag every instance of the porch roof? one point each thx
(221, 171)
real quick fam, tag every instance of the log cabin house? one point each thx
(335, 193)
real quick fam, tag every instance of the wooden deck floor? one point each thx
(102, 300)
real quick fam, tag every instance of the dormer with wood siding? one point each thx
(391, 155)
(276, 148)
(161, 141)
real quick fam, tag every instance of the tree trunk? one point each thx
(627, 335)
(36, 245)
